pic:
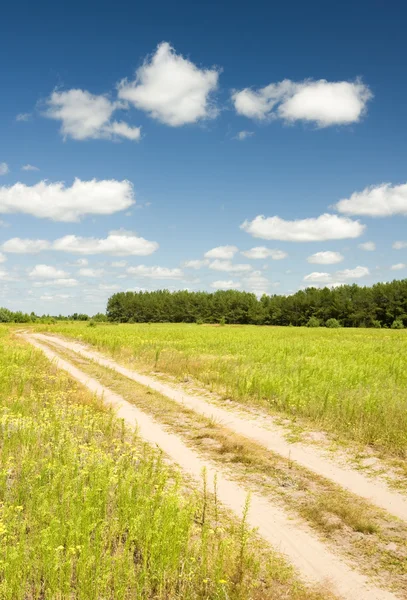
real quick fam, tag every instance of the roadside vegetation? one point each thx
(88, 511)
(351, 382)
(376, 542)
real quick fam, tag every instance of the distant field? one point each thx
(349, 381)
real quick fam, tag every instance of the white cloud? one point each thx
(195, 264)
(108, 287)
(171, 88)
(81, 262)
(256, 282)
(47, 272)
(226, 285)
(48, 297)
(29, 168)
(368, 246)
(4, 169)
(85, 115)
(322, 102)
(223, 252)
(155, 272)
(382, 200)
(243, 135)
(399, 245)
(2, 258)
(338, 276)
(318, 277)
(261, 252)
(398, 267)
(62, 282)
(228, 266)
(25, 246)
(355, 273)
(85, 272)
(325, 258)
(60, 203)
(324, 227)
(116, 244)
(4, 275)
(23, 116)
(118, 264)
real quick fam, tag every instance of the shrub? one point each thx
(222, 321)
(376, 324)
(313, 322)
(397, 324)
(332, 323)
(199, 322)
(92, 323)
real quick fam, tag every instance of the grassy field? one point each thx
(89, 512)
(352, 382)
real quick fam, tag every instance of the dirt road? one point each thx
(314, 562)
(267, 434)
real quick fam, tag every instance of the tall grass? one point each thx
(88, 512)
(349, 381)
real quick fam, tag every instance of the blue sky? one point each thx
(217, 134)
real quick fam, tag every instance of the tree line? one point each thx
(381, 305)
(9, 316)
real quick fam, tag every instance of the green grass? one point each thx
(88, 512)
(351, 382)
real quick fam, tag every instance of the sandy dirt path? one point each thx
(271, 437)
(314, 562)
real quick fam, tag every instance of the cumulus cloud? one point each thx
(256, 282)
(107, 287)
(324, 227)
(116, 244)
(49, 297)
(261, 252)
(84, 115)
(118, 264)
(223, 252)
(86, 272)
(399, 245)
(58, 202)
(195, 264)
(398, 267)
(322, 102)
(243, 135)
(325, 258)
(228, 266)
(25, 246)
(368, 246)
(61, 282)
(4, 168)
(171, 88)
(355, 273)
(2, 258)
(226, 285)
(382, 200)
(29, 168)
(47, 272)
(338, 276)
(155, 272)
(81, 262)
